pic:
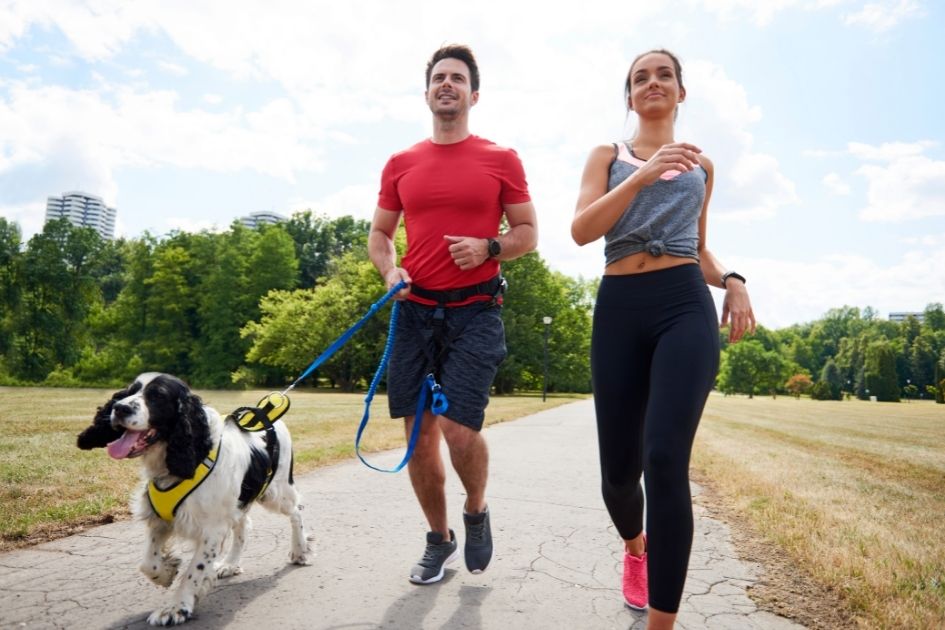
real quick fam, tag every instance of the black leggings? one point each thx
(654, 357)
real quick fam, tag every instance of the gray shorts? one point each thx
(467, 368)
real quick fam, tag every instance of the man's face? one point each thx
(450, 94)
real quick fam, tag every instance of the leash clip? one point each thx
(438, 403)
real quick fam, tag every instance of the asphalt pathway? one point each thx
(557, 562)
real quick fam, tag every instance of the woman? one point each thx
(655, 345)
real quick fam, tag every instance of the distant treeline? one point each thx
(847, 352)
(254, 307)
(245, 307)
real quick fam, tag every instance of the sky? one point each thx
(822, 117)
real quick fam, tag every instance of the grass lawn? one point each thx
(853, 491)
(48, 487)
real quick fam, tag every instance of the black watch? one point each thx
(732, 274)
(495, 248)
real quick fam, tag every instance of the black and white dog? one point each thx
(200, 474)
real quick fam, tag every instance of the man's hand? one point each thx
(468, 252)
(393, 277)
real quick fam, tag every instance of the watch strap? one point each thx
(732, 274)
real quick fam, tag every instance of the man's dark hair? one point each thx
(456, 51)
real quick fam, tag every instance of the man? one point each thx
(452, 190)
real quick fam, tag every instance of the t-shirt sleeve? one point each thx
(514, 186)
(388, 198)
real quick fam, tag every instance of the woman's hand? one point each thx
(678, 156)
(737, 308)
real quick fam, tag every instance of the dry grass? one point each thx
(48, 487)
(852, 491)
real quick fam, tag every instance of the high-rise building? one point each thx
(83, 210)
(903, 315)
(255, 219)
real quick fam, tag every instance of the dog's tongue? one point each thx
(120, 448)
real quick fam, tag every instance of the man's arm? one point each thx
(469, 252)
(382, 252)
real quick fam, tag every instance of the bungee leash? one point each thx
(429, 387)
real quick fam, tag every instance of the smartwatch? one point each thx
(495, 248)
(732, 274)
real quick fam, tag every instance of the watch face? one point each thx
(495, 248)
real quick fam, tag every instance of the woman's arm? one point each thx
(736, 306)
(597, 209)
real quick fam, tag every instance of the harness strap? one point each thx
(449, 296)
(261, 417)
(165, 501)
(441, 340)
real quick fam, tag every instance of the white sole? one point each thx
(416, 579)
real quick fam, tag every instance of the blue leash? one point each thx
(429, 387)
(439, 403)
(343, 339)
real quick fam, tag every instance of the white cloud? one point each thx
(906, 185)
(119, 126)
(358, 201)
(718, 116)
(787, 292)
(836, 185)
(882, 16)
(889, 151)
(927, 240)
(173, 68)
(213, 99)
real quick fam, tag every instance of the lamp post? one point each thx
(544, 384)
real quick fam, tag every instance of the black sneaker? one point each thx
(478, 541)
(437, 554)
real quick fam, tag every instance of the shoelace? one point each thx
(432, 553)
(477, 532)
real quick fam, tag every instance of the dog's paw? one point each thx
(228, 570)
(302, 556)
(163, 573)
(170, 616)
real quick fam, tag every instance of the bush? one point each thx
(823, 391)
(798, 384)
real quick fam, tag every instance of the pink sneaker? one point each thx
(635, 591)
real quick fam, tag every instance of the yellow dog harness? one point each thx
(166, 501)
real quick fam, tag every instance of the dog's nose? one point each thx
(121, 411)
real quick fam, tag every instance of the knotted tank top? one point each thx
(663, 218)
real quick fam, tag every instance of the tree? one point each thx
(934, 317)
(921, 359)
(171, 306)
(534, 293)
(830, 375)
(880, 372)
(297, 326)
(747, 368)
(318, 240)
(10, 241)
(57, 293)
(798, 384)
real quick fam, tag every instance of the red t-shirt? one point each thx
(457, 189)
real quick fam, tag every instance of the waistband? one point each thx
(653, 288)
(491, 288)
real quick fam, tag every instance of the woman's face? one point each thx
(654, 86)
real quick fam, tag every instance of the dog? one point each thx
(200, 476)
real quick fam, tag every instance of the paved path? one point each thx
(557, 565)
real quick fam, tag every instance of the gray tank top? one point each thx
(663, 218)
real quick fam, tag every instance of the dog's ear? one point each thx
(189, 441)
(101, 432)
